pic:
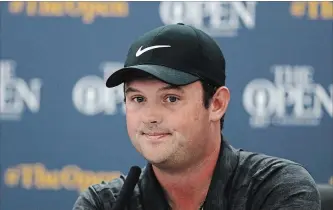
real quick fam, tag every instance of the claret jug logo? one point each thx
(16, 94)
(217, 18)
(293, 99)
(91, 97)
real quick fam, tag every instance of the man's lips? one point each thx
(155, 135)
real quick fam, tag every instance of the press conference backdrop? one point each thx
(62, 130)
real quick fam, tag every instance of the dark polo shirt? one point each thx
(241, 181)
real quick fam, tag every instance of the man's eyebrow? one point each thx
(171, 87)
(131, 89)
(168, 87)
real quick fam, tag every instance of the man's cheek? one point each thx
(131, 128)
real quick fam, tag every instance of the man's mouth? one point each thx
(155, 135)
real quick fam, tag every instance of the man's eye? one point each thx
(138, 99)
(171, 99)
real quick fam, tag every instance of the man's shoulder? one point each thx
(260, 167)
(252, 162)
(262, 173)
(272, 179)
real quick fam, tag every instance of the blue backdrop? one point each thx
(60, 125)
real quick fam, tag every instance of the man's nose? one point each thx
(152, 115)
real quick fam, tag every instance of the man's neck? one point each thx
(189, 188)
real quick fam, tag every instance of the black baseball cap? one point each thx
(177, 54)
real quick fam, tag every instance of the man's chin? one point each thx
(156, 159)
(156, 153)
(159, 163)
(165, 165)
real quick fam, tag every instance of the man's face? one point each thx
(166, 124)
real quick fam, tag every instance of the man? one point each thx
(176, 99)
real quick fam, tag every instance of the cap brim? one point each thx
(165, 74)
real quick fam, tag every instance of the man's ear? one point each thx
(219, 103)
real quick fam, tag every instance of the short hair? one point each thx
(208, 93)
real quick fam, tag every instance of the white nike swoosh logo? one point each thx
(140, 51)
